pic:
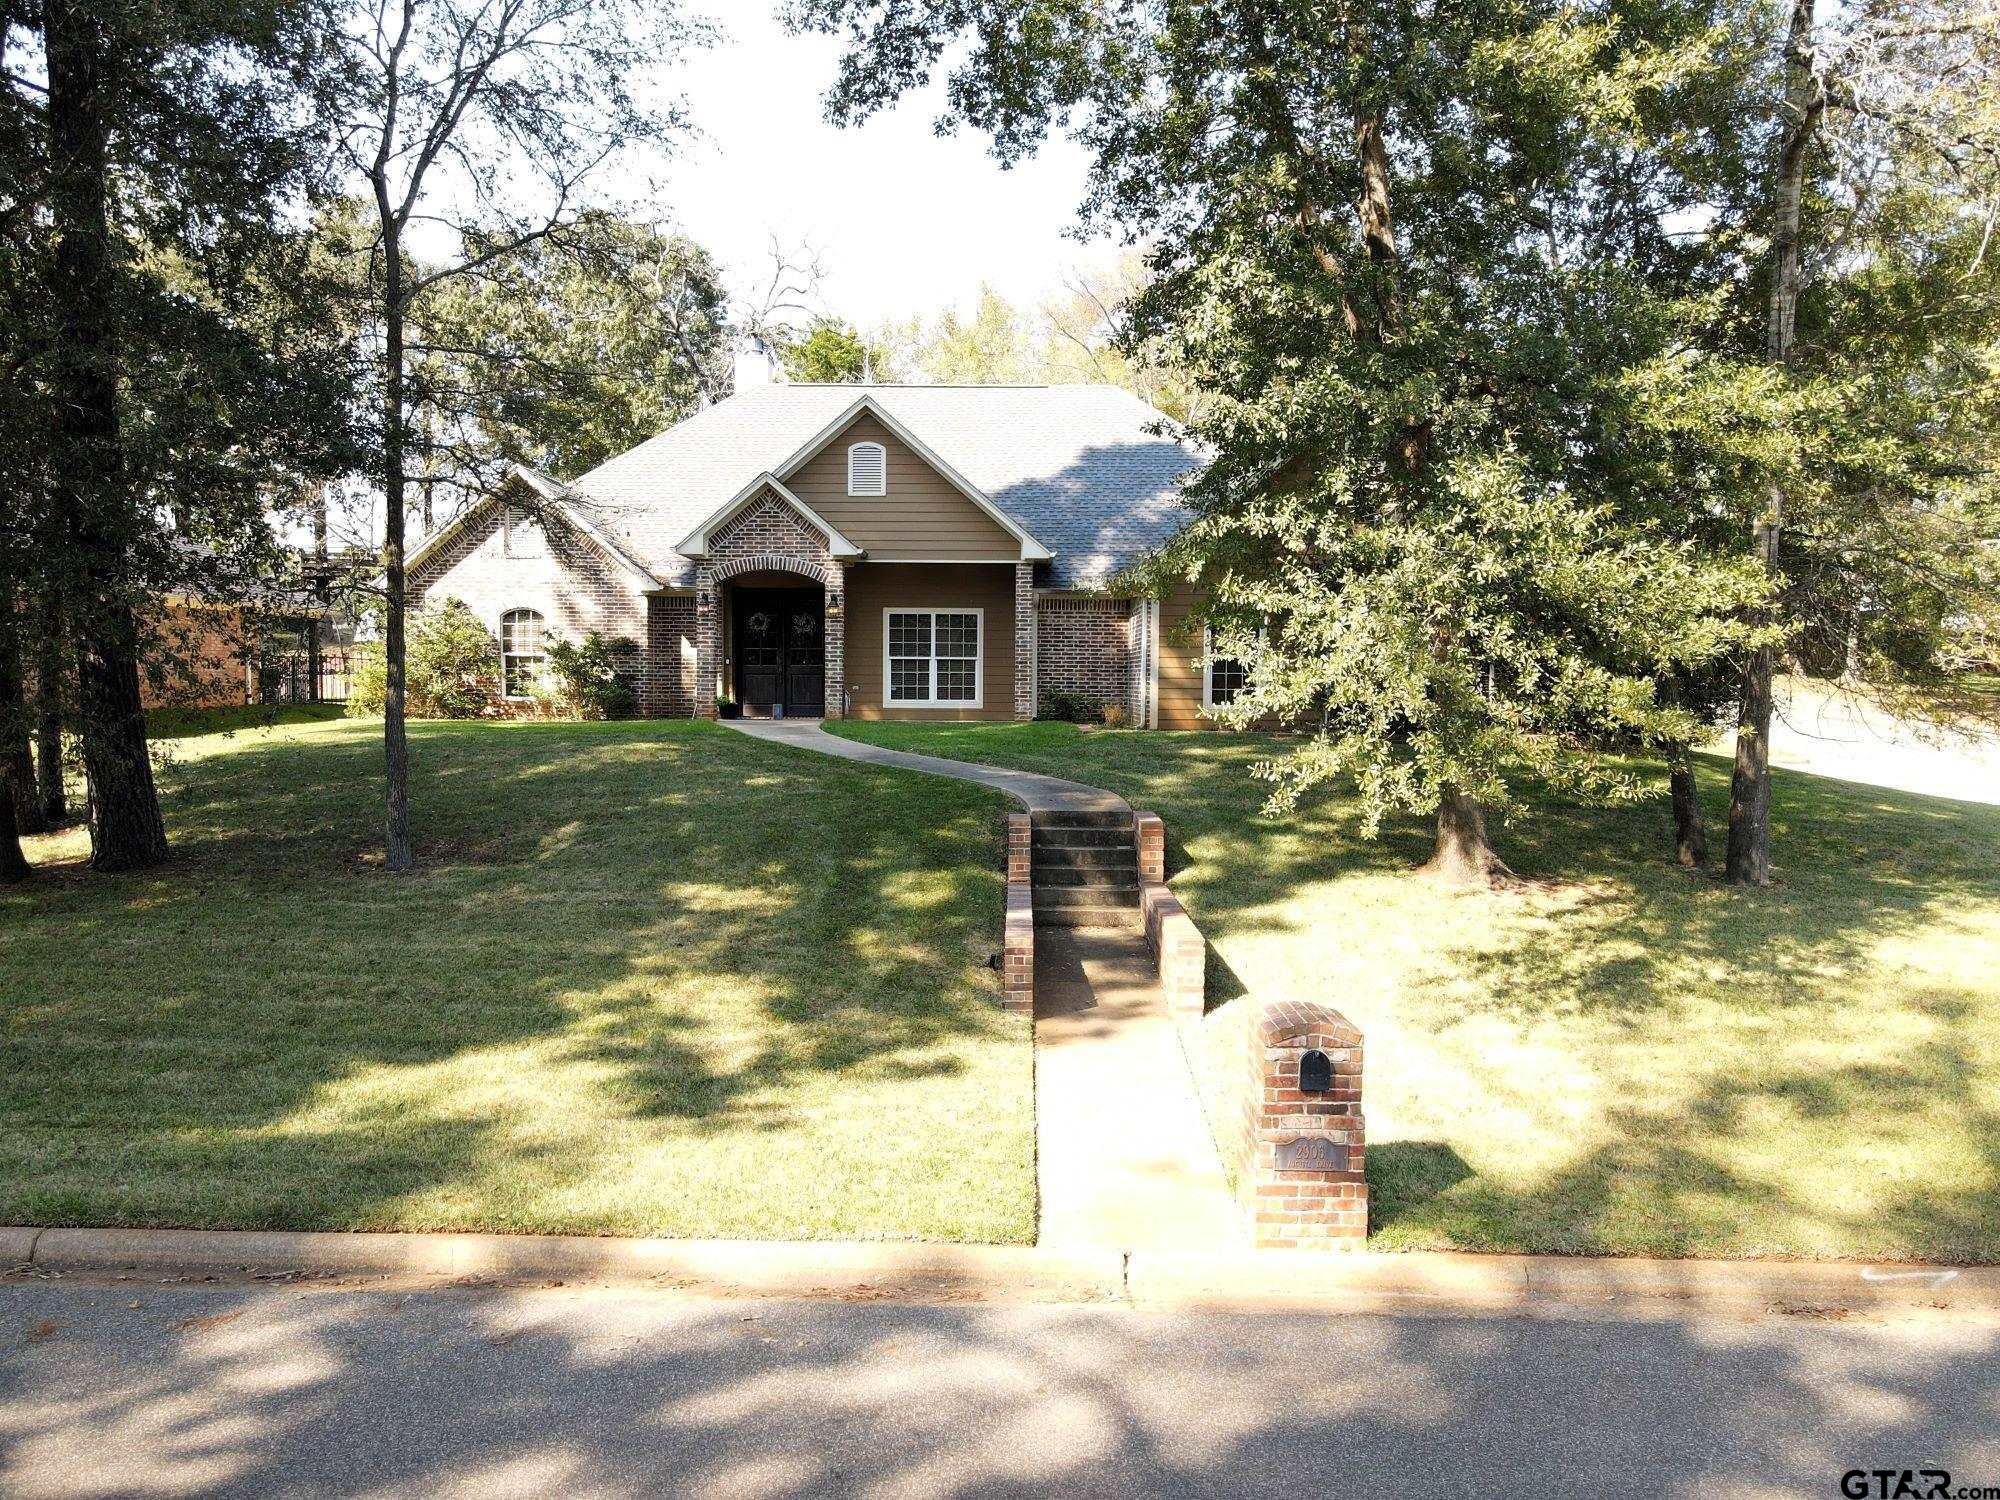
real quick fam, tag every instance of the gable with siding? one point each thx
(923, 517)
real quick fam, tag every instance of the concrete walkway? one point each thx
(1123, 1157)
(1036, 793)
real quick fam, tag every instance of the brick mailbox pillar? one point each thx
(1305, 1184)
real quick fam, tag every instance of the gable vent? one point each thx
(867, 469)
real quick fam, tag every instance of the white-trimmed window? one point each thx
(867, 469)
(930, 658)
(521, 652)
(1223, 677)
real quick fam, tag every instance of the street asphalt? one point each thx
(139, 1388)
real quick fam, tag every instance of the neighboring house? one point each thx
(882, 551)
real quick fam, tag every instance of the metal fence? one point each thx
(305, 677)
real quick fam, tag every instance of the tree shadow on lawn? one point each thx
(675, 931)
(1846, 1005)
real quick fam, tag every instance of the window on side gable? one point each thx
(521, 652)
(867, 469)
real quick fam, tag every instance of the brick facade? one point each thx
(552, 569)
(1084, 645)
(666, 688)
(1024, 640)
(767, 535)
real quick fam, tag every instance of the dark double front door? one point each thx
(780, 640)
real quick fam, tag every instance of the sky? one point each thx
(906, 222)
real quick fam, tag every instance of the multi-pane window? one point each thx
(1227, 677)
(521, 653)
(933, 657)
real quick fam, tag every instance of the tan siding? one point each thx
(1180, 664)
(872, 588)
(923, 515)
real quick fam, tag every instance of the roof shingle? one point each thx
(1074, 465)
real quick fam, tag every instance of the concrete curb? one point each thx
(1282, 1278)
(1242, 1279)
(945, 1273)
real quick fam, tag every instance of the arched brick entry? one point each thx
(768, 537)
(772, 562)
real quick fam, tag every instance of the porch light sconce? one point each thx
(1315, 1073)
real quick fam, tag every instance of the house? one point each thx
(879, 551)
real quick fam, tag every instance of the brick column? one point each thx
(836, 639)
(1306, 1185)
(1024, 640)
(705, 641)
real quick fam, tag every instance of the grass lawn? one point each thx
(650, 979)
(1615, 1057)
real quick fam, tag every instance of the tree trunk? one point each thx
(13, 863)
(1690, 828)
(1749, 859)
(395, 738)
(17, 762)
(126, 828)
(1463, 855)
(17, 767)
(48, 718)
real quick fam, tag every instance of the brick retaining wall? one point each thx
(1017, 951)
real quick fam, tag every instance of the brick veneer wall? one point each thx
(1017, 952)
(1084, 645)
(1024, 640)
(1317, 1208)
(666, 687)
(574, 586)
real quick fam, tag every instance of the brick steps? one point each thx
(1086, 870)
(1126, 879)
(1083, 857)
(1122, 918)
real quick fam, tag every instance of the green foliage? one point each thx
(1475, 298)
(994, 348)
(574, 348)
(833, 353)
(453, 672)
(1065, 706)
(592, 679)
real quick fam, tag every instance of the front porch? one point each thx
(780, 634)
